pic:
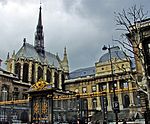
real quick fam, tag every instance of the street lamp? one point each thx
(115, 102)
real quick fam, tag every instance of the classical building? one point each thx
(33, 62)
(11, 89)
(95, 84)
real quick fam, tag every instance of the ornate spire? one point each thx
(65, 61)
(39, 37)
(40, 18)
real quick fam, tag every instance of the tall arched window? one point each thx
(18, 69)
(48, 76)
(56, 80)
(126, 101)
(40, 73)
(4, 93)
(33, 72)
(25, 72)
(63, 80)
(94, 103)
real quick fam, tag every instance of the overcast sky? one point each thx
(83, 26)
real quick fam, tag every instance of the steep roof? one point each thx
(28, 51)
(83, 72)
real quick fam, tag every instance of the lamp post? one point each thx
(115, 99)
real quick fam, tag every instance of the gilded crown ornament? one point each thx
(40, 85)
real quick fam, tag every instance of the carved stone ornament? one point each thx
(40, 85)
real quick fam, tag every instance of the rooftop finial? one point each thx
(24, 41)
(40, 2)
(65, 52)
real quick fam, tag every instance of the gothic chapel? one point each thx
(32, 62)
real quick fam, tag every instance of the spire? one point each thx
(39, 37)
(65, 52)
(65, 61)
(65, 55)
(24, 41)
(13, 55)
(40, 18)
(8, 56)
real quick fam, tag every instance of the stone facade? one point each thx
(95, 84)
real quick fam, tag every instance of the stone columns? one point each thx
(53, 77)
(119, 96)
(21, 70)
(30, 72)
(45, 73)
(131, 93)
(13, 66)
(36, 72)
(98, 98)
(108, 98)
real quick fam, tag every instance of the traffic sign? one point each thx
(116, 107)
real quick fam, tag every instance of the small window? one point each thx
(104, 87)
(94, 88)
(77, 90)
(4, 93)
(125, 85)
(126, 102)
(94, 103)
(84, 90)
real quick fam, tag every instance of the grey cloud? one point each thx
(3, 2)
(83, 26)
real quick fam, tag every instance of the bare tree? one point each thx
(131, 23)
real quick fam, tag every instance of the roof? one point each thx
(83, 72)
(28, 51)
(7, 74)
(116, 53)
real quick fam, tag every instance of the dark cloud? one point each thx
(83, 26)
